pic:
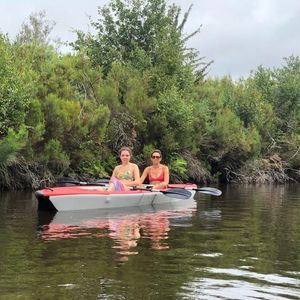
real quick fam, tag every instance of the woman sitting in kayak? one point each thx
(126, 174)
(157, 173)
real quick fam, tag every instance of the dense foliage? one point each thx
(134, 82)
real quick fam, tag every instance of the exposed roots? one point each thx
(270, 170)
(20, 175)
(195, 170)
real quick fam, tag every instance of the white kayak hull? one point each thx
(87, 198)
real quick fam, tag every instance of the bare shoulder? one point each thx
(165, 167)
(117, 167)
(147, 169)
(134, 166)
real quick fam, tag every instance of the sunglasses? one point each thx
(155, 156)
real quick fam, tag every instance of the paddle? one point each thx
(207, 190)
(180, 193)
(173, 193)
(63, 182)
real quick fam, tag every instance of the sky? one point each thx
(237, 35)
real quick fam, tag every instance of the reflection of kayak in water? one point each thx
(70, 198)
(81, 217)
(125, 226)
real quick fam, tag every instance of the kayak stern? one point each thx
(44, 203)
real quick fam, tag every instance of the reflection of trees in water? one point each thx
(124, 231)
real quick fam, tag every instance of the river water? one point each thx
(244, 244)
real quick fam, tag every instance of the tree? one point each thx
(14, 89)
(36, 31)
(286, 98)
(286, 103)
(148, 35)
(11, 144)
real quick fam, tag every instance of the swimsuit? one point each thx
(125, 176)
(117, 180)
(160, 178)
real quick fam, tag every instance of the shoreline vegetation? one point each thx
(19, 175)
(134, 82)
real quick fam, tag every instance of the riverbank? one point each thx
(22, 175)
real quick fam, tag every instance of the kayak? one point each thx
(69, 198)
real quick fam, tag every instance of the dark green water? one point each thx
(242, 245)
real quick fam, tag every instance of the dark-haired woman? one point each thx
(157, 173)
(126, 174)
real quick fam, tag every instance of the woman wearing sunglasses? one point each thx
(157, 173)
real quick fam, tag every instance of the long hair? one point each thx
(125, 148)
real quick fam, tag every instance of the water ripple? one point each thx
(271, 278)
(209, 289)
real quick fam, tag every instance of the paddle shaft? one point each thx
(173, 193)
(81, 183)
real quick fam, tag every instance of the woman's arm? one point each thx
(166, 176)
(114, 172)
(111, 186)
(144, 175)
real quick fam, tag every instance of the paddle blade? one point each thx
(177, 193)
(209, 191)
(66, 181)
